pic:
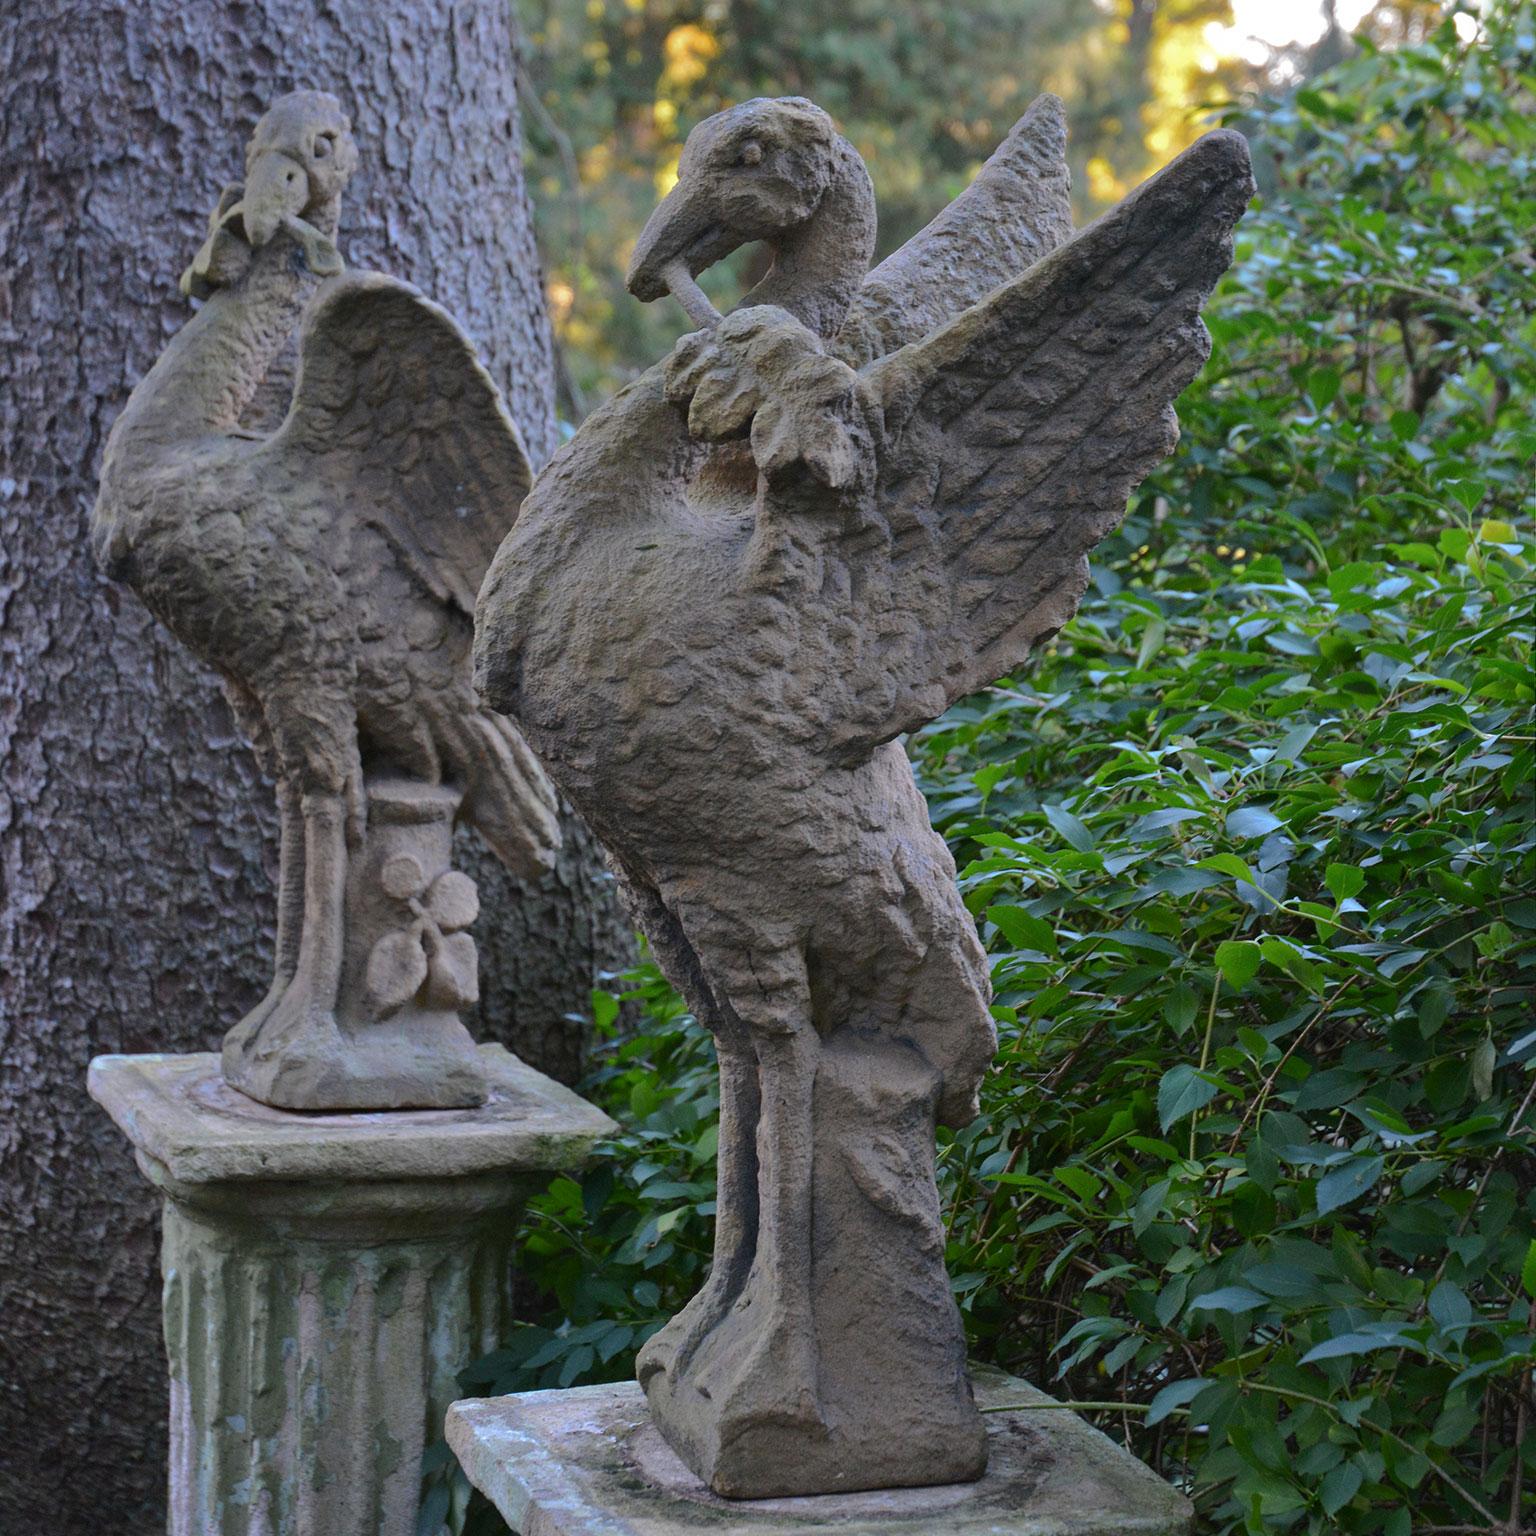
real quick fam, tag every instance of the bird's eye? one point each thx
(751, 153)
(324, 144)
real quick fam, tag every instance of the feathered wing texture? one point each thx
(507, 797)
(1016, 210)
(393, 407)
(393, 413)
(1009, 442)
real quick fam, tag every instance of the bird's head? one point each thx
(298, 162)
(757, 171)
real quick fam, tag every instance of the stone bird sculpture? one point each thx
(327, 571)
(821, 521)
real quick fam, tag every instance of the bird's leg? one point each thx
(301, 1019)
(317, 970)
(290, 901)
(290, 879)
(782, 1371)
(672, 1349)
(357, 806)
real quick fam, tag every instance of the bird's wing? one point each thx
(1009, 441)
(394, 411)
(1018, 209)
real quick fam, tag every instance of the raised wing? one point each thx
(393, 408)
(1013, 437)
(1018, 209)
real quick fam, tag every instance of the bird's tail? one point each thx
(507, 797)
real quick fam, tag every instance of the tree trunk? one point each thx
(136, 836)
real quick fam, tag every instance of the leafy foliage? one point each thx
(1253, 852)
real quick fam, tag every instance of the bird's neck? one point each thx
(818, 266)
(214, 365)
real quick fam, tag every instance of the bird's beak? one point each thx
(684, 232)
(276, 190)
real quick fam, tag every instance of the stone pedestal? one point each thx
(589, 1462)
(325, 1278)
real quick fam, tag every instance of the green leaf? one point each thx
(1345, 1345)
(1023, 929)
(1329, 1089)
(1238, 961)
(1294, 743)
(1455, 1423)
(1345, 1184)
(1151, 642)
(1229, 864)
(1449, 1307)
(1180, 1007)
(1278, 1279)
(1252, 821)
(1483, 1059)
(1069, 827)
(1344, 881)
(1528, 1271)
(1323, 386)
(1082, 1183)
(1229, 1298)
(1180, 1093)
(1176, 1395)
(1339, 1486)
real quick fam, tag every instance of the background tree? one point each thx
(136, 846)
(924, 88)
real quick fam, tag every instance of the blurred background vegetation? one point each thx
(925, 89)
(1252, 844)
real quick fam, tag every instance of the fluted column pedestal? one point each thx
(325, 1278)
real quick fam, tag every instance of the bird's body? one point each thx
(714, 645)
(332, 651)
(327, 571)
(690, 721)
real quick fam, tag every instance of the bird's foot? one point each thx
(764, 1371)
(250, 1026)
(289, 1057)
(670, 1350)
(776, 1380)
(296, 1023)
(761, 372)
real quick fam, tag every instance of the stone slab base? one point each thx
(589, 1462)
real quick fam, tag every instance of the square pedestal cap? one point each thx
(179, 1111)
(588, 1462)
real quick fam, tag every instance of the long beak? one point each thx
(680, 239)
(276, 189)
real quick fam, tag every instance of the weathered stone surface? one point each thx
(590, 1462)
(327, 570)
(326, 1277)
(817, 524)
(179, 1112)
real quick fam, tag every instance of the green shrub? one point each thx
(1253, 851)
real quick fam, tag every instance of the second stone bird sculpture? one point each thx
(328, 571)
(820, 522)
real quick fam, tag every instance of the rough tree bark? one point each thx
(136, 837)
